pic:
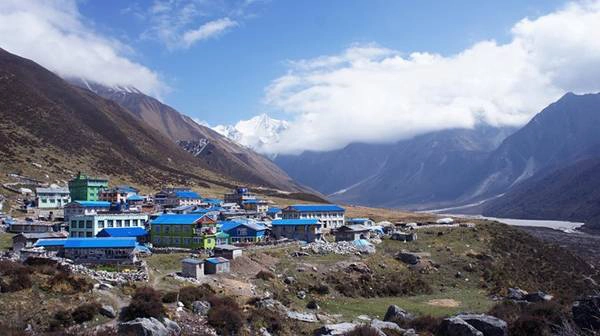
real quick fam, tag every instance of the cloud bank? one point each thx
(372, 94)
(53, 34)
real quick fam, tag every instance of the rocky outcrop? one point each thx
(538, 296)
(455, 326)
(108, 311)
(201, 307)
(149, 327)
(586, 312)
(395, 313)
(488, 325)
(335, 329)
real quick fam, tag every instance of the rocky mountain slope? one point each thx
(213, 150)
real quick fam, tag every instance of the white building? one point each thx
(52, 198)
(330, 215)
(87, 226)
(85, 208)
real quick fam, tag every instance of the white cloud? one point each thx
(208, 30)
(373, 94)
(53, 34)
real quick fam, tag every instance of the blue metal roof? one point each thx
(177, 219)
(273, 210)
(358, 220)
(187, 194)
(100, 243)
(134, 231)
(315, 207)
(94, 204)
(212, 201)
(232, 224)
(217, 260)
(50, 242)
(135, 198)
(279, 222)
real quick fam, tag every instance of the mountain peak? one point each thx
(257, 132)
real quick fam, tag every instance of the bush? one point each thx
(321, 289)
(265, 275)
(146, 302)
(85, 312)
(225, 315)
(60, 320)
(189, 294)
(66, 283)
(529, 325)
(15, 277)
(273, 321)
(169, 297)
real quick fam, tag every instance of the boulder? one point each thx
(586, 312)
(455, 326)
(301, 295)
(201, 307)
(272, 305)
(105, 286)
(488, 325)
(408, 257)
(304, 317)
(537, 297)
(312, 304)
(516, 294)
(289, 280)
(379, 324)
(108, 311)
(395, 313)
(172, 326)
(144, 327)
(335, 329)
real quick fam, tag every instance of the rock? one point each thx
(105, 286)
(335, 329)
(108, 311)
(395, 313)
(304, 317)
(289, 280)
(301, 295)
(172, 326)
(586, 312)
(488, 325)
(144, 327)
(537, 297)
(201, 307)
(516, 294)
(410, 257)
(180, 304)
(264, 332)
(271, 304)
(458, 275)
(312, 304)
(364, 317)
(359, 267)
(455, 326)
(379, 324)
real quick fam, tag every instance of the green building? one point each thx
(85, 188)
(195, 231)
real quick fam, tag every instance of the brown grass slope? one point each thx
(46, 120)
(221, 154)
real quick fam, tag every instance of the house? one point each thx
(216, 265)
(360, 221)
(53, 197)
(227, 251)
(135, 200)
(195, 231)
(137, 232)
(192, 268)
(300, 229)
(28, 240)
(118, 194)
(222, 238)
(100, 250)
(330, 215)
(351, 232)
(243, 230)
(258, 205)
(239, 195)
(28, 225)
(212, 202)
(55, 245)
(85, 208)
(90, 225)
(274, 213)
(184, 209)
(404, 236)
(85, 188)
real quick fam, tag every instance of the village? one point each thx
(321, 270)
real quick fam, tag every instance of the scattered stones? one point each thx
(201, 307)
(312, 304)
(379, 324)
(342, 248)
(516, 294)
(458, 275)
(335, 329)
(455, 326)
(586, 312)
(395, 313)
(358, 267)
(108, 311)
(301, 295)
(149, 327)
(304, 317)
(289, 280)
(488, 325)
(538, 296)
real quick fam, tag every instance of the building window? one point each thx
(88, 224)
(81, 224)
(100, 223)
(73, 224)
(134, 222)
(88, 234)
(127, 223)
(109, 223)
(119, 223)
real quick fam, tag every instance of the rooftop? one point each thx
(192, 261)
(187, 194)
(232, 224)
(217, 260)
(100, 243)
(50, 242)
(279, 222)
(177, 219)
(59, 190)
(227, 247)
(43, 235)
(93, 204)
(134, 231)
(315, 207)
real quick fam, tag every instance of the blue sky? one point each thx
(223, 79)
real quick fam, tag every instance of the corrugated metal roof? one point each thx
(187, 194)
(135, 198)
(274, 210)
(50, 242)
(354, 227)
(315, 207)
(59, 190)
(217, 260)
(358, 220)
(279, 222)
(100, 243)
(230, 225)
(192, 261)
(94, 204)
(177, 219)
(134, 231)
(43, 235)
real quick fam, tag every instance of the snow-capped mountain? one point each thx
(256, 133)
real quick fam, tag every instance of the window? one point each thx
(134, 222)
(88, 234)
(119, 223)
(175, 240)
(73, 224)
(81, 224)
(100, 223)
(127, 223)
(110, 223)
(52, 200)
(44, 200)
(88, 224)
(175, 228)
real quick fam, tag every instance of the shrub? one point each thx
(189, 294)
(265, 275)
(273, 321)
(66, 283)
(85, 312)
(321, 289)
(60, 320)
(225, 315)
(146, 302)
(15, 277)
(169, 297)
(363, 330)
(529, 325)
